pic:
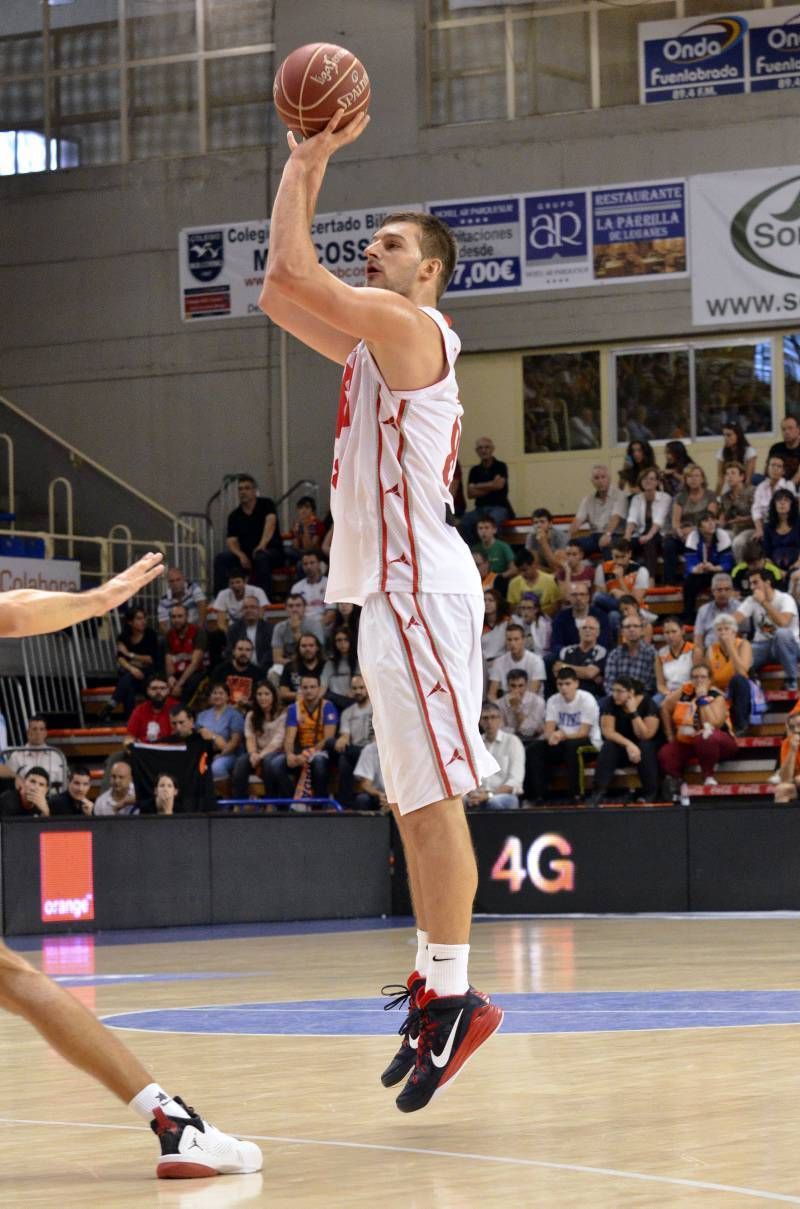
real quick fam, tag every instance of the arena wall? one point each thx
(93, 345)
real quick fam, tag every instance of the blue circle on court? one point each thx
(571, 1012)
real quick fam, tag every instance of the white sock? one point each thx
(421, 965)
(153, 1096)
(447, 969)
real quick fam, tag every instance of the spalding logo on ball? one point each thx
(316, 80)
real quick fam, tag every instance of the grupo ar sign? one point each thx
(46, 574)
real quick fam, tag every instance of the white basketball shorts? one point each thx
(420, 656)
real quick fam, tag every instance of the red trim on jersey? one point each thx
(381, 495)
(421, 697)
(406, 505)
(456, 710)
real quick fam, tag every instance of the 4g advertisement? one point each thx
(565, 862)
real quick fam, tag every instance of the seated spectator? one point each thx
(633, 658)
(521, 711)
(674, 660)
(185, 659)
(303, 771)
(495, 621)
(776, 635)
(355, 732)
(347, 616)
(788, 449)
(629, 723)
(239, 674)
(150, 722)
(264, 731)
(781, 539)
(639, 456)
(735, 451)
(307, 531)
(532, 579)
(697, 727)
(753, 559)
(629, 607)
(708, 551)
(487, 485)
(516, 656)
(253, 545)
(253, 626)
(286, 634)
(229, 604)
(676, 459)
(571, 726)
(723, 600)
(166, 794)
(183, 592)
(499, 553)
(764, 492)
(216, 638)
(730, 658)
(538, 629)
(567, 621)
(574, 569)
(309, 658)
(120, 798)
(137, 657)
(488, 576)
(688, 507)
(501, 790)
(222, 725)
(338, 672)
(619, 576)
(587, 657)
(36, 753)
(27, 797)
(600, 515)
(74, 800)
(545, 540)
(369, 779)
(648, 518)
(786, 789)
(736, 508)
(312, 588)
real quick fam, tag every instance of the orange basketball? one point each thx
(316, 80)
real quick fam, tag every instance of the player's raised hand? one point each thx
(130, 581)
(322, 146)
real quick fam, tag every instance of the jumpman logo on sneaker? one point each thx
(443, 1058)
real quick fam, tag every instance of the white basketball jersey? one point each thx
(393, 464)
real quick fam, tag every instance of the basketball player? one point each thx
(190, 1147)
(396, 552)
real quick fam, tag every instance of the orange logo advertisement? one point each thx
(67, 881)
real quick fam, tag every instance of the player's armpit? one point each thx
(323, 337)
(380, 317)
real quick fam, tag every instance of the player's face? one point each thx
(394, 258)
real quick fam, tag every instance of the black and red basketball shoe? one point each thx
(406, 1056)
(452, 1029)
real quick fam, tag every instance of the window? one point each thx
(687, 392)
(561, 401)
(131, 79)
(652, 395)
(487, 61)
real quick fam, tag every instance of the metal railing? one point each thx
(15, 708)
(96, 646)
(52, 680)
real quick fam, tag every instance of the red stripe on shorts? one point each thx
(382, 495)
(406, 505)
(431, 733)
(456, 710)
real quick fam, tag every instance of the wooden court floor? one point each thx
(644, 1061)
